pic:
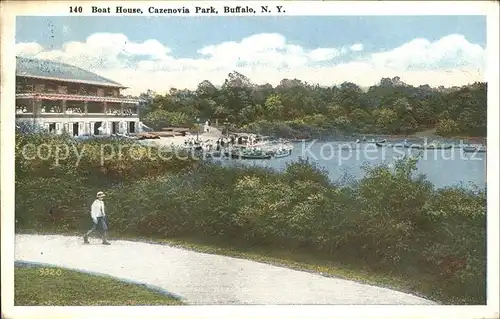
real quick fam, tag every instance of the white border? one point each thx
(11, 9)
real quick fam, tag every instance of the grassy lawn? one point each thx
(44, 286)
(426, 133)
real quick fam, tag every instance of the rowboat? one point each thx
(247, 155)
(299, 140)
(436, 147)
(284, 153)
(429, 147)
(393, 145)
(474, 149)
(255, 156)
(417, 146)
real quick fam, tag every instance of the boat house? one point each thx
(58, 97)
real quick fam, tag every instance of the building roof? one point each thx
(52, 70)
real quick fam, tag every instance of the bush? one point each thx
(392, 220)
(44, 155)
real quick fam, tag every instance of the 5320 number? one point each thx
(50, 272)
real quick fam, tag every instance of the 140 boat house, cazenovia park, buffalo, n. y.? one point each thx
(58, 97)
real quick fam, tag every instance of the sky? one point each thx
(159, 53)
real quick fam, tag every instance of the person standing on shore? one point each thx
(98, 218)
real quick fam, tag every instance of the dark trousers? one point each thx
(101, 225)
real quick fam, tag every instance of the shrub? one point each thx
(391, 219)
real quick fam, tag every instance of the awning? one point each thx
(71, 97)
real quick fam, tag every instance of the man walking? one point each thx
(99, 218)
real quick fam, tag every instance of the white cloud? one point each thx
(449, 51)
(323, 54)
(267, 58)
(28, 48)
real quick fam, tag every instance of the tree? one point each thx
(159, 119)
(274, 107)
(386, 120)
(391, 107)
(446, 127)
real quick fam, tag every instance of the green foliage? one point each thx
(47, 155)
(392, 220)
(447, 127)
(158, 119)
(297, 108)
(48, 286)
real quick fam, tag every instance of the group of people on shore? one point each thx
(219, 144)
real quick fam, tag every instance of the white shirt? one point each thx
(97, 210)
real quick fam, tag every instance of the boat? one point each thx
(255, 156)
(429, 146)
(381, 141)
(247, 154)
(301, 140)
(396, 145)
(230, 154)
(436, 147)
(417, 146)
(147, 136)
(474, 149)
(283, 153)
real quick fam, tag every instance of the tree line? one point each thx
(390, 107)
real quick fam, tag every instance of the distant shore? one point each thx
(178, 141)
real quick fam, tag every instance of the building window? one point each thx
(131, 127)
(51, 88)
(62, 89)
(50, 107)
(22, 87)
(130, 109)
(39, 87)
(82, 90)
(95, 107)
(24, 108)
(52, 127)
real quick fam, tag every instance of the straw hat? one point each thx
(100, 195)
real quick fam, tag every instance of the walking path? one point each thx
(202, 278)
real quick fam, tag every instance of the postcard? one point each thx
(249, 159)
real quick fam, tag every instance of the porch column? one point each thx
(63, 106)
(35, 105)
(86, 107)
(121, 109)
(105, 107)
(36, 109)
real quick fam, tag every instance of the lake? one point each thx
(442, 167)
